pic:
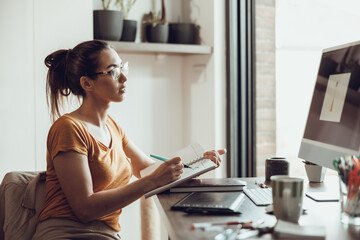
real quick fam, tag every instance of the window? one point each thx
(240, 88)
(290, 35)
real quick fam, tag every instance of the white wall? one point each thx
(171, 100)
(57, 25)
(17, 108)
(30, 31)
(303, 29)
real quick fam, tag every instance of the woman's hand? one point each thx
(215, 155)
(168, 171)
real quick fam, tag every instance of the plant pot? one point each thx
(129, 30)
(159, 33)
(183, 33)
(315, 173)
(108, 25)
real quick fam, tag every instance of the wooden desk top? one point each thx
(327, 214)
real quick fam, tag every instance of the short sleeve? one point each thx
(67, 135)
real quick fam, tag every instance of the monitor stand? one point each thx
(315, 173)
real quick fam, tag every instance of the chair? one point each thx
(22, 195)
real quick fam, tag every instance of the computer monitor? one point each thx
(333, 124)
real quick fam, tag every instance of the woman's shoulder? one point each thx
(66, 121)
(67, 127)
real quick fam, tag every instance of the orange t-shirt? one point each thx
(109, 166)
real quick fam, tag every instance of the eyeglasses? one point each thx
(116, 71)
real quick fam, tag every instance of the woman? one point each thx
(90, 159)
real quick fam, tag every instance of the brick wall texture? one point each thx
(265, 83)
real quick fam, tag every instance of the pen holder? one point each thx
(350, 202)
(348, 169)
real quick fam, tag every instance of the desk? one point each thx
(178, 223)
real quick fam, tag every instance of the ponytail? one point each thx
(56, 84)
(65, 69)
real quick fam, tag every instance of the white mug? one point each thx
(287, 197)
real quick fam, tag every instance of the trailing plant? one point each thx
(153, 18)
(159, 18)
(125, 6)
(106, 4)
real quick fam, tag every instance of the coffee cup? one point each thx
(287, 197)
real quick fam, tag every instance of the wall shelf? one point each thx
(166, 48)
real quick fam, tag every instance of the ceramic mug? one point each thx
(287, 197)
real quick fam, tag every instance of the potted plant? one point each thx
(315, 173)
(156, 28)
(129, 26)
(108, 23)
(184, 33)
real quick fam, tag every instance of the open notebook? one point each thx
(191, 155)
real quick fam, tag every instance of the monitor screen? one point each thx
(333, 124)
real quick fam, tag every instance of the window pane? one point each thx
(290, 36)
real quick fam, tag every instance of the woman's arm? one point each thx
(74, 175)
(139, 160)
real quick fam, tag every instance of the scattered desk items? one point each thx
(262, 185)
(215, 228)
(246, 233)
(204, 225)
(192, 156)
(254, 229)
(289, 230)
(323, 196)
(222, 203)
(226, 235)
(210, 185)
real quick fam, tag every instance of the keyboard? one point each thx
(260, 196)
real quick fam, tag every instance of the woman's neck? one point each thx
(93, 113)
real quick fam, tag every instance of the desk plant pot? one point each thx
(315, 172)
(108, 25)
(158, 33)
(129, 30)
(183, 33)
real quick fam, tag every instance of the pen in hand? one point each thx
(165, 159)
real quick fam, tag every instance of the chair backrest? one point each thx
(22, 195)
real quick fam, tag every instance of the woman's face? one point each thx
(105, 86)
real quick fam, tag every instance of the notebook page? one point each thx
(197, 168)
(188, 155)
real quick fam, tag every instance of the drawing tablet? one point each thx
(211, 203)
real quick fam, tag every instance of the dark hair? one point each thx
(65, 69)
